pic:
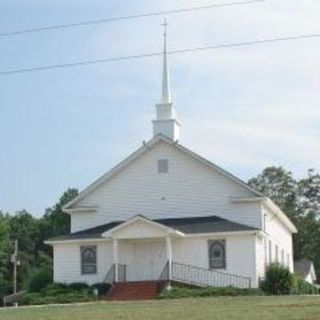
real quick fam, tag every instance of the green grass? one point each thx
(222, 308)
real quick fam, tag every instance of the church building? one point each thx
(166, 215)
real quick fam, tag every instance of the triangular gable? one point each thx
(141, 151)
(140, 227)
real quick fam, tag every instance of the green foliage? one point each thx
(4, 255)
(302, 287)
(40, 279)
(69, 297)
(59, 293)
(102, 288)
(175, 293)
(278, 280)
(78, 286)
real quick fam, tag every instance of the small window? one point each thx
(270, 252)
(217, 254)
(282, 258)
(288, 260)
(277, 254)
(88, 260)
(163, 166)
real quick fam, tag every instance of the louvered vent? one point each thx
(163, 166)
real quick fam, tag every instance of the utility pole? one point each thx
(16, 263)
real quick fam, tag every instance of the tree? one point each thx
(4, 254)
(280, 186)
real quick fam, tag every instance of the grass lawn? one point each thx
(237, 308)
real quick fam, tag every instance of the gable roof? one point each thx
(303, 267)
(185, 226)
(138, 153)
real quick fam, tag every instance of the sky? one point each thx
(242, 108)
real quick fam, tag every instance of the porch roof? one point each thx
(192, 225)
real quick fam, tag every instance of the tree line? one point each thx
(298, 198)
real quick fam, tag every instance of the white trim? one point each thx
(145, 220)
(146, 147)
(81, 209)
(52, 242)
(280, 214)
(226, 233)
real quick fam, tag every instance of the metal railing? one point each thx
(111, 275)
(202, 277)
(165, 272)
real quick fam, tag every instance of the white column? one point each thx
(115, 259)
(169, 256)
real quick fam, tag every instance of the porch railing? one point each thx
(111, 275)
(203, 277)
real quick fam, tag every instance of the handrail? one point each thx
(215, 271)
(111, 275)
(165, 272)
(202, 277)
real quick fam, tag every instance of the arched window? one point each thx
(88, 260)
(217, 254)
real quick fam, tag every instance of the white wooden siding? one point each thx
(189, 189)
(280, 237)
(67, 263)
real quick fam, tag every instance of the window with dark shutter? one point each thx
(217, 254)
(88, 260)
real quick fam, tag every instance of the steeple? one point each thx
(166, 92)
(165, 122)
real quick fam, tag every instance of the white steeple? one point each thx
(165, 122)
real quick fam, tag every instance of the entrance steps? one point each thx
(137, 290)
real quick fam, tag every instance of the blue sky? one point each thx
(244, 109)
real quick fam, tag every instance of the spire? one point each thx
(166, 92)
(166, 122)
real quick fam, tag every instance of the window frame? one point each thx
(222, 244)
(84, 264)
(163, 166)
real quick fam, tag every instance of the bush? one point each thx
(40, 279)
(69, 297)
(278, 280)
(208, 292)
(102, 288)
(78, 286)
(302, 287)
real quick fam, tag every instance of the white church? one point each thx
(166, 215)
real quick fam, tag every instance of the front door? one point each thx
(148, 260)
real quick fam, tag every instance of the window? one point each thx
(288, 260)
(282, 258)
(277, 254)
(88, 260)
(217, 254)
(270, 252)
(163, 166)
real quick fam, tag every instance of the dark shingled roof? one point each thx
(303, 267)
(191, 225)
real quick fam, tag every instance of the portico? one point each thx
(144, 247)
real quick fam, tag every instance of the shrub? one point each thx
(78, 286)
(40, 279)
(302, 287)
(208, 292)
(102, 288)
(278, 280)
(69, 297)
